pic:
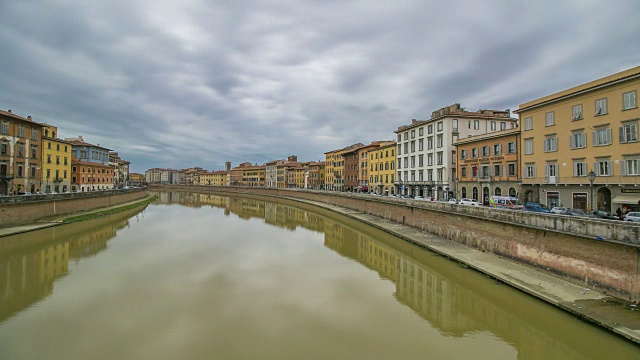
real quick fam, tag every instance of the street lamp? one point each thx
(591, 176)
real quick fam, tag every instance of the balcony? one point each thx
(551, 180)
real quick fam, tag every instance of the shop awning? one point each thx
(627, 199)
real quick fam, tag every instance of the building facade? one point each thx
(382, 170)
(487, 165)
(20, 154)
(90, 176)
(590, 129)
(316, 175)
(425, 150)
(56, 162)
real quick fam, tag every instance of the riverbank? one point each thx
(79, 216)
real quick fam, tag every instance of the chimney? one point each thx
(29, 117)
(9, 111)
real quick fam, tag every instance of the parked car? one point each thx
(505, 202)
(471, 202)
(632, 216)
(575, 212)
(418, 197)
(558, 210)
(452, 201)
(535, 207)
(600, 214)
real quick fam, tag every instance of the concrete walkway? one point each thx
(59, 220)
(616, 315)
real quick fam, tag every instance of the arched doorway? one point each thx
(485, 196)
(603, 199)
(529, 196)
(497, 191)
(464, 192)
(475, 193)
(512, 192)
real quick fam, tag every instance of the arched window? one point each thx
(497, 192)
(475, 193)
(464, 192)
(512, 192)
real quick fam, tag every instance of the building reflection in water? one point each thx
(31, 262)
(456, 301)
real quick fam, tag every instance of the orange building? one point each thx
(90, 176)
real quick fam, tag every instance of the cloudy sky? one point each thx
(196, 83)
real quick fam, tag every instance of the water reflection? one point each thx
(456, 301)
(31, 262)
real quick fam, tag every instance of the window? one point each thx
(463, 171)
(476, 124)
(399, 150)
(3, 149)
(485, 150)
(34, 152)
(413, 146)
(497, 149)
(511, 169)
(420, 160)
(429, 143)
(550, 118)
(406, 136)
(406, 148)
(576, 112)
(429, 159)
(579, 168)
(399, 137)
(20, 150)
(439, 157)
(463, 154)
(497, 169)
(602, 137)
(474, 171)
(528, 123)
(5, 128)
(629, 100)
(474, 152)
(413, 161)
(406, 162)
(440, 175)
(528, 146)
(34, 134)
(421, 131)
(420, 144)
(604, 167)
(530, 171)
(551, 144)
(601, 106)
(413, 134)
(33, 171)
(430, 129)
(630, 167)
(464, 192)
(21, 130)
(511, 148)
(503, 125)
(628, 133)
(454, 124)
(19, 170)
(551, 172)
(439, 141)
(493, 126)
(48, 173)
(577, 140)
(439, 125)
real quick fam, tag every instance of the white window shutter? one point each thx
(594, 138)
(584, 139)
(572, 142)
(596, 169)
(609, 167)
(622, 137)
(608, 135)
(623, 167)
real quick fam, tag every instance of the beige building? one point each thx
(588, 128)
(487, 165)
(213, 178)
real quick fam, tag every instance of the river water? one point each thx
(196, 276)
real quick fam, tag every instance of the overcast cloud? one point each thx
(196, 83)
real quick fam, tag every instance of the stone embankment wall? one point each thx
(567, 246)
(18, 210)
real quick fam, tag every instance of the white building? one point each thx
(426, 155)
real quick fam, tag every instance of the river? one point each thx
(200, 276)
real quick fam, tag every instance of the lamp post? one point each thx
(591, 176)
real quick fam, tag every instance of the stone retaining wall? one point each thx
(18, 210)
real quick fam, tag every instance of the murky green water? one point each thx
(207, 277)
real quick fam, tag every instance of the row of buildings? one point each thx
(34, 159)
(577, 148)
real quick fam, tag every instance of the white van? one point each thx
(507, 202)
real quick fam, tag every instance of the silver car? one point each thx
(632, 216)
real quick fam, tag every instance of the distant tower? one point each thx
(292, 158)
(227, 166)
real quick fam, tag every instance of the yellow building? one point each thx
(213, 178)
(591, 129)
(254, 176)
(330, 176)
(56, 161)
(382, 168)
(334, 167)
(316, 175)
